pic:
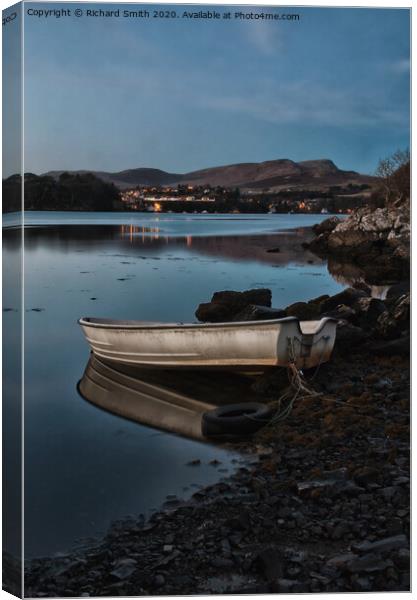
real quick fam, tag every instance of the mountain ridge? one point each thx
(274, 175)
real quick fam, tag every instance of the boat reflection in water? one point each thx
(167, 400)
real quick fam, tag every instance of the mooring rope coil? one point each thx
(297, 386)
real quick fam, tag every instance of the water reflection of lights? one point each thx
(134, 231)
(189, 240)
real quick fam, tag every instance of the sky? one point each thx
(179, 95)
(12, 92)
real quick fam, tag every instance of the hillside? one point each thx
(273, 175)
(129, 177)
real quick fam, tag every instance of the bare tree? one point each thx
(394, 173)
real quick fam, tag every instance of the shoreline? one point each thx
(324, 507)
(302, 519)
(111, 217)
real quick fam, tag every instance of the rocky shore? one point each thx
(322, 504)
(377, 240)
(365, 323)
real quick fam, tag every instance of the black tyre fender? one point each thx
(235, 419)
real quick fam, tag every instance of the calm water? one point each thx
(85, 467)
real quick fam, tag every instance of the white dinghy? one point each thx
(242, 345)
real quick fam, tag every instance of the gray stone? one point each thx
(123, 568)
(369, 563)
(333, 486)
(388, 492)
(169, 558)
(340, 561)
(69, 567)
(384, 545)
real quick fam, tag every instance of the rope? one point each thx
(323, 337)
(312, 378)
(297, 390)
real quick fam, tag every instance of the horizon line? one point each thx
(194, 170)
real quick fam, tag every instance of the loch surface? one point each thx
(85, 467)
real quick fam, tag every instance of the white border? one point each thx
(289, 3)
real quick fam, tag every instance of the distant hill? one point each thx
(129, 177)
(273, 175)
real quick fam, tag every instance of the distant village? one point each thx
(85, 191)
(207, 199)
(156, 199)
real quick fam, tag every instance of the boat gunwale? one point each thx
(144, 326)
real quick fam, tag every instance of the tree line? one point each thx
(84, 192)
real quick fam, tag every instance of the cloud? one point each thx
(303, 102)
(263, 37)
(399, 66)
(308, 103)
(257, 95)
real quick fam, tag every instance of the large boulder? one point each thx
(317, 301)
(373, 233)
(341, 313)
(226, 305)
(261, 296)
(327, 225)
(253, 312)
(304, 311)
(319, 244)
(348, 297)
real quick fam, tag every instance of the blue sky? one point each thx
(111, 94)
(12, 91)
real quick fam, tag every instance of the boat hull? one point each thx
(258, 344)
